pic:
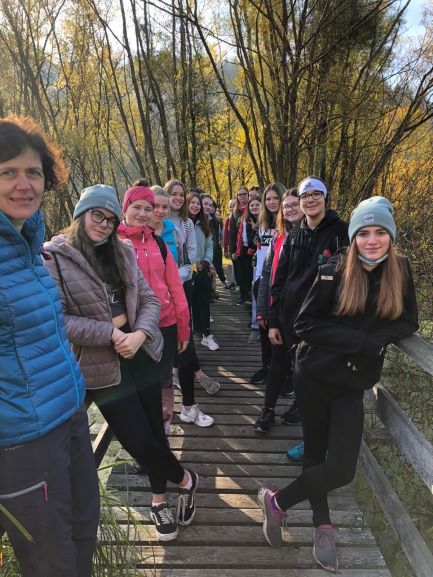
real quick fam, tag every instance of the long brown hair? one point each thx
(108, 263)
(201, 217)
(266, 218)
(354, 285)
(168, 187)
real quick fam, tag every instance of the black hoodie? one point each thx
(330, 341)
(304, 250)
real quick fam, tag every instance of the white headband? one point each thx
(312, 184)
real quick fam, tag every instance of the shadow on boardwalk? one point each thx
(226, 539)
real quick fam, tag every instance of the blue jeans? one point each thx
(50, 485)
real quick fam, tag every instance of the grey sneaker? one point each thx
(324, 549)
(211, 386)
(273, 520)
(254, 336)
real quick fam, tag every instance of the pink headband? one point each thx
(137, 193)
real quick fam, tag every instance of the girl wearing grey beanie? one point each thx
(359, 303)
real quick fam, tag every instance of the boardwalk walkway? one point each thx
(225, 539)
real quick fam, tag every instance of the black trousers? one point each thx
(133, 409)
(280, 370)
(201, 302)
(187, 362)
(333, 425)
(218, 262)
(50, 485)
(245, 274)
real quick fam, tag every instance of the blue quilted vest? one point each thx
(41, 385)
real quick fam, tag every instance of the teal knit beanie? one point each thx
(374, 211)
(98, 196)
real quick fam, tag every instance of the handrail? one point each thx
(420, 350)
(417, 450)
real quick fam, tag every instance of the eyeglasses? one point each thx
(291, 207)
(98, 217)
(315, 195)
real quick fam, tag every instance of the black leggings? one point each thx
(333, 425)
(279, 371)
(201, 302)
(218, 262)
(187, 362)
(133, 409)
(245, 274)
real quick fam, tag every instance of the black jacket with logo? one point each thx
(329, 341)
(304, 250)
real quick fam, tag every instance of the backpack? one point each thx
(162, 246)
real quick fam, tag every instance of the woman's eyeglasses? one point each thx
(98, 217)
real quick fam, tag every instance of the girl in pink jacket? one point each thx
(160, 270)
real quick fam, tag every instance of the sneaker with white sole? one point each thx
(165, 524)
(273, 519)
(211, 386)
(210, 343)
(186, 501)
(324, 548)
(194, 415)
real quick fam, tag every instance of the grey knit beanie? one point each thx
(98, 196)
(374, 211)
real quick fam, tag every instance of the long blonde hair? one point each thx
(354, 285)
(266, 219)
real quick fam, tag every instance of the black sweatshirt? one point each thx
(304, 250)
(330, 341)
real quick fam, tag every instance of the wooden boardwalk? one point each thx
(226, 539)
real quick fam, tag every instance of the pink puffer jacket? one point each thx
(87, 311)
(163, 278)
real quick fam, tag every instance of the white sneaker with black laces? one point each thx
(165, 524)
(186, 502)
(210, 343)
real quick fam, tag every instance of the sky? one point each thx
(414, 16)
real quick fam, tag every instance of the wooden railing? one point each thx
(417, 450)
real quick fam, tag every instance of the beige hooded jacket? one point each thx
(87, 311)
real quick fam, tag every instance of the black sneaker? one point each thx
(166, 526)
(292, 416)
(186, 502)
(265, 421)
(259, 377)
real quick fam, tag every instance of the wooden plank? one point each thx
(414, 445)
(264, 572)
(139, 495)
(247, 535)
(290, 556)
(239, 517)
(416, 551)
(419, 350)
(239, 457)
(101, 443)
(230, 469)
(234, 432)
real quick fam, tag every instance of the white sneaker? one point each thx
(210, 343)
(211, 320)
(194, 415)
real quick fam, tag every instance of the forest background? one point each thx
(232, 92)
